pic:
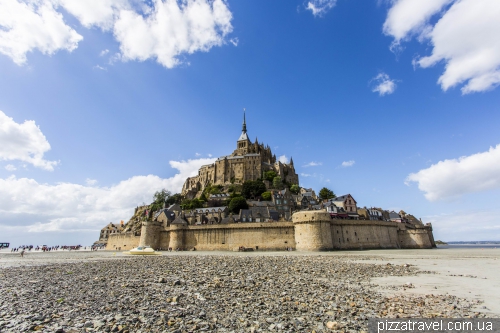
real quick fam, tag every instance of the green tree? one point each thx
(278, 183)
(191, 204)
(159, 198)
(174, 199)
(326, 193)
(266, 196)
(162, 196)
(295, 189)
(269, 175)
(253, 188)
(236, 204)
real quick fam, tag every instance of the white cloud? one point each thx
(469, 225)
(384, 84)
(100, 13)
(283, 159)
(306, 175)
(100, 67)
(320, 7)
(103, 53)
(162, 30)
(67, 207)
(10, 167)
(33, 25)
(452, 178)
(465, 38)
(172, 29)
(312, 164)
(347, 164)
(235, 41)
(410, 17)
(91, 182)
(23, 142)
(197, 154)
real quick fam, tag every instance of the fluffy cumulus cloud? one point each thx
(452, 178)
(31, 206)
(100, 13)
(10, 167)
(347, 164)
(162, 30)
(407, 18)
(320, 7)
(283, 159)
(23, 142)
(384, 85)
(91, 182)
(172, 28)
(33, 25)
(312, 164)
(464, 36)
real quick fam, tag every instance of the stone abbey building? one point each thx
(248, 161)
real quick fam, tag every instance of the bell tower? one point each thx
(243, 143)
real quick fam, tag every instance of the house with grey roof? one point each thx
(348, 203)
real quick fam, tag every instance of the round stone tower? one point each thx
(150, 234)
(177, 234)
(312, 231)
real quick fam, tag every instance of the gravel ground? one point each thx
(210, 293)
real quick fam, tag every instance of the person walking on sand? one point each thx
(22, 253)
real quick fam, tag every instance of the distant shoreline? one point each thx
(475, 243)
(467, 246)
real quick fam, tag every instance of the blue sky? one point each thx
(103, 103)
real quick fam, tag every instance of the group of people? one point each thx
(45, 248)
(96, 247)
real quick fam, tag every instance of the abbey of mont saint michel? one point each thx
(247, 162)
(322, 227)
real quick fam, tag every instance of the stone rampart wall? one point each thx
(258, 236)
(354, 234)
(414, 239)
(126, 241)
(309, 231)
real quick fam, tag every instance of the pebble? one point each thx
(211, 293)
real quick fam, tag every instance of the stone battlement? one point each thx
(309, 231)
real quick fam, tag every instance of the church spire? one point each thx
(244, 129)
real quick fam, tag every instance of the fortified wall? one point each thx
(308, 231)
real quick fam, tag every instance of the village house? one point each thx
(210, 215)
(283, 203)
(348, 203)
(111, 228)
(258, 214)
(334, 211)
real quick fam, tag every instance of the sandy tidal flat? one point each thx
(242, 292)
